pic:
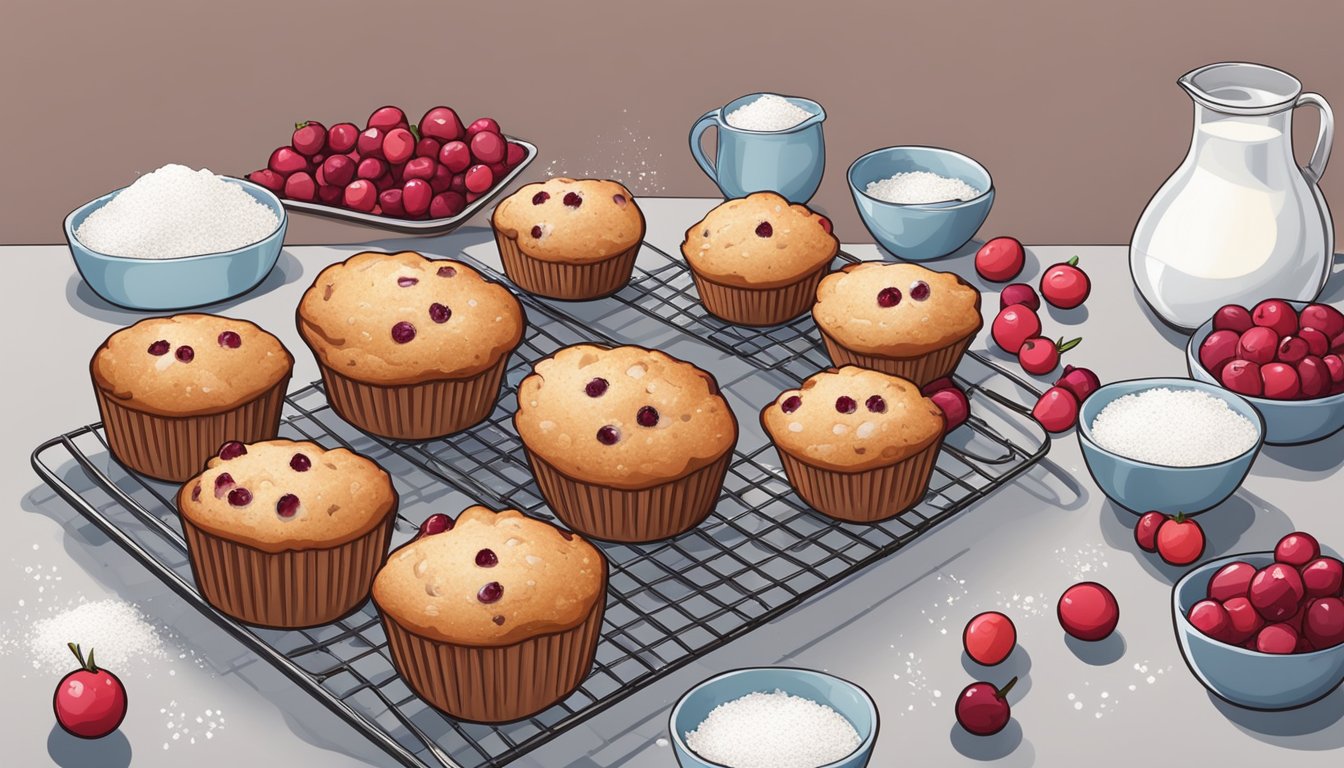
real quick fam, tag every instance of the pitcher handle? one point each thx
(1315, 167)
(710, 118)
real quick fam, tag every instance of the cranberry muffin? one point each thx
(569, 239)
(287, 534)
(171, 390)
(410, 348)
(900, 319)
(757, 260)
(627, 444)
(496, 616)
(858, 445)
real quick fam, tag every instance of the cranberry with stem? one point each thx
(1065, 286)
(1180, 540)
(982, 709)
(90, 702)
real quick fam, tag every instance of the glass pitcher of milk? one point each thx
(1239, 221)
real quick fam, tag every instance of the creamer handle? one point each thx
(1315, 167)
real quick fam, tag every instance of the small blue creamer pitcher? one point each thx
(790, 161)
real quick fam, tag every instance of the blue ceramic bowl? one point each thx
(1140, 486)
(846, 698)
(180, 283)
(1287, 422)
(920, 232)
(1243, 677)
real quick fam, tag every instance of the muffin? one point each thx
(410, 348)
(287, 534)
(900, 319)
(857, 445)
(757, 260)
(495, 618)
(569, 239)
(171, 390)
(626, 444)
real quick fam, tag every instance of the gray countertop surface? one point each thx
(894, 628)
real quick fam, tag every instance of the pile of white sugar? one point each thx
(175, 212)
(773, 730)
(118, 634)
(1174, 428)
(921, 188)
(767, 113)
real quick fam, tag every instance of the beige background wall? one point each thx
(1072, 106)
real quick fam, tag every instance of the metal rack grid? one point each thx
(761, 553)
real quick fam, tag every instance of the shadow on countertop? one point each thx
(1007, 747)
(66, 751)
(1100, 653)
(1316, 728)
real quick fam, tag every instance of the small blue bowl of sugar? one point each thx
(779, 716)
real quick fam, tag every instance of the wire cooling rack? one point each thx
(761, 553)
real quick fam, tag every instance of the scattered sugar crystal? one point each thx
(117, 632)
(767, 112)
(773, 730)
(1173, 427)
(920, 188)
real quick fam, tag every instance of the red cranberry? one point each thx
(764, 229)
(919, 291)
(791, 404)
(300, 463)
(287, 506)
(618, 199)
(487, 558)
(185, 354)
(230, 340)
(498, 620)
(845, 404)
(490, 593)
(196, 493)
(573, 200)
(541, 197)
(232, 450)
(223, 484)
(608, 435)
(647, 416)
(403, 332)
(888, 297)
(439, 313)
(876, 404)
(240, 497)
(447, 271)
(158, 348)
(406, 282)
(536, 232)
(436, 523)
(596, 388)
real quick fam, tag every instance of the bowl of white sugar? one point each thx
(1169, 445)
(921, 203)
(774, 717)
(177, 238)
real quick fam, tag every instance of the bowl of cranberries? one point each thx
(1265, 630)
(1285, 357)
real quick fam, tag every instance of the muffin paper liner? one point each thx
(495, 684)
(415, 411)
(291, 589)
(564, 280)
(758, 306)
(175, 448)
(639, 515)
(869, 496)
(920, 370)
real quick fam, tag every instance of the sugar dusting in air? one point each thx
(627, 157)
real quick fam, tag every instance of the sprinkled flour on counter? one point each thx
(767, 113)
(920, 188)
(1174, 428)
(175, 212)
(773, 730)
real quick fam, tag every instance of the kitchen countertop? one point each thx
(894, 628)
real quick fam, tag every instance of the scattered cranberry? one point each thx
(1209, 617)
(536, 231)
(90, 702)
(989, 638)
(1180, 541)
(608, 435)
(572, 199)
(447, 272)
(287, 506)
(498, 619)
(982, 709)
(1000, 259)
(1217, 350)
(1246, 621)
(1277, 638)
(240, 497)
(541, 197)
(1276, 591)
(1232, 318)
(232, 450)
(403, 332)
(1057, 410)
(1324, 624)
(490, 593)
(647, 416)
(954, 405)
(223, 484)
(159, 348)
(1013, 326)
(1242, 377)
(1065, 285)
(439, 313)
(1019, 293)
(487, 558)
(185, 354)
(596, 388)
(888, 297)
(1145, 532)
(1088, 611)
(1297, 549)
(1082, 382)
(791, 404)
(1277, 315)
(1039, 356)
(764, 229)
(1323, 577)
(1231, 581)
(920, 291)
(435, 524)
(300, 463)
(846, 404)
(876, 404)
(230, 340)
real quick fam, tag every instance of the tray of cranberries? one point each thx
(423, 178)
(1285, 357)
